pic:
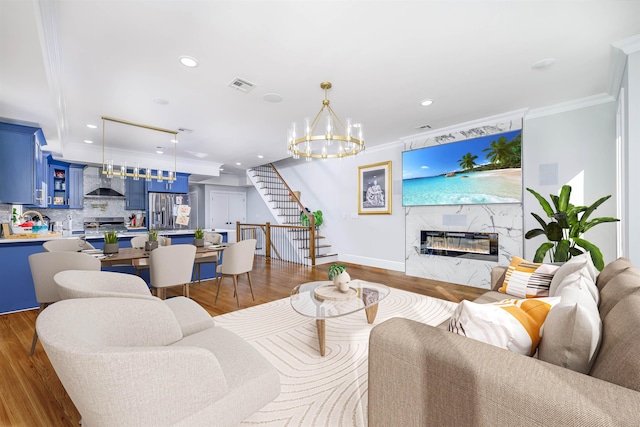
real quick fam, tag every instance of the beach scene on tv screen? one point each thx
(474, 171)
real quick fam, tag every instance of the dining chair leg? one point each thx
(185, 290)
(218, 292)
(235, 287)
(35, 333)
(250, 285)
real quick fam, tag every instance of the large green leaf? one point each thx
(542, 251)
(554, 232)
(541, 221)
(563, 199)
(596, 255)
(562, 251)
(597, 221)
(543, 202)
(534, 233)
(593, 207)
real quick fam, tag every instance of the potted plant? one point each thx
(568, 224)
(152, 241)
(198, 237)
(110, 242)
(317, 215)
(338, 273)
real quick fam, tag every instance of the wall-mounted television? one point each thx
(481, 170)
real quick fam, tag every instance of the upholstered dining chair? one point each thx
(66, 245)
(110, 284)
(139, 242)
(44, 266)
(237, 260)
(210, 238)
(171, 266)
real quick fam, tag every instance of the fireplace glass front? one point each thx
(480, 246)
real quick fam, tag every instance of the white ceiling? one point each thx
(67, 63)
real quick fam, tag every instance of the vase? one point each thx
(110, 248)
(198, 242)
(341, 281)
(149, 246)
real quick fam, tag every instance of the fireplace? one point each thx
(479, 246)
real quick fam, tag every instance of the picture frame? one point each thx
(374, 188)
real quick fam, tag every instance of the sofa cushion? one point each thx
(612, 269)
(617, 360)
(572, 331)
(619, 286)
(524, 279)
(510, 324)
(581, 263)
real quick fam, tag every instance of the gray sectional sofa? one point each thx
(421, 375)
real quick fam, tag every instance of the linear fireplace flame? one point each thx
(479, 246)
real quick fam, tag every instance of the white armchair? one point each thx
(124, 361)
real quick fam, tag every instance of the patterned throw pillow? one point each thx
(510, 324)
(524, 279)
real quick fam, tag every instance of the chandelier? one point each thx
(136, 172)
(333, 140)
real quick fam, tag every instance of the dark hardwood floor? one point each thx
(32, 395)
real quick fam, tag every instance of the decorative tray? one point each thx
(331, 293)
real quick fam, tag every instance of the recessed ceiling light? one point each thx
(260, 156)
(272, 97)
(175, 141)
(543, 63)
(426, 102)
(160, 101)
(238, 163)
(88, 141)
(159, 151)
(92, 126)
(188, 61)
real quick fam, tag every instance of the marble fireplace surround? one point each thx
(504, 219)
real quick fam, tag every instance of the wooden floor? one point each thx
(32, 395)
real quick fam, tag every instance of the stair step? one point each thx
(317, 247)
(324, 255)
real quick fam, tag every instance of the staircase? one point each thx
(286, 209)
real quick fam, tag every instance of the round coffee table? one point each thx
(321, 301)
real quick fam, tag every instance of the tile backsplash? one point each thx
(93, 207)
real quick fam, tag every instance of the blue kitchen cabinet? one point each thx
(135, 193)
(76, 186)
(65, 185)
(22, 166)
(180, 185)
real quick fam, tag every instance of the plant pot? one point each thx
(110, 248)
(149, 246)
(341, 281)
(198, 242)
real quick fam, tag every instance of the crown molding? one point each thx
(619, 52)
(563, 107)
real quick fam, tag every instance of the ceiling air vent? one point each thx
(242, 85)
(424, 127)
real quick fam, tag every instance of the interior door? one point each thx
(226, 209)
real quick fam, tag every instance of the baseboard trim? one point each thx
(372, 262)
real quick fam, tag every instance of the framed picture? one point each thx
(374, 188)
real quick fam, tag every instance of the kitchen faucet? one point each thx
(32, 212)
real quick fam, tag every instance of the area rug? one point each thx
(322, 391)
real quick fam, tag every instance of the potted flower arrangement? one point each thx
(152, 241)
(338, 273)
(198, 237)
(110, 242)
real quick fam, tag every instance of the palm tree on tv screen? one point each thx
(468, 161)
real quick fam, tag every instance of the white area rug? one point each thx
(322, 391)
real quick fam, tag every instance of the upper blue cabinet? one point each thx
(23, 176)
(64, 184)
(180, 185)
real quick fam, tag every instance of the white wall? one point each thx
(575, 147)
(332, 186)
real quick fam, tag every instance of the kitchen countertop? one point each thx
(130, 233)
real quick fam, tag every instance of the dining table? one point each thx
(140, 256)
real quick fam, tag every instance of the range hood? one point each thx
(104, 190)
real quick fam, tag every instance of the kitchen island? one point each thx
(16, 284)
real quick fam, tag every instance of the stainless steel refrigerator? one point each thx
(163, 210)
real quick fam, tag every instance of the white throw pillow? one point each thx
(510, 324)
(572, 332)
(578, 263)
(580, 279)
